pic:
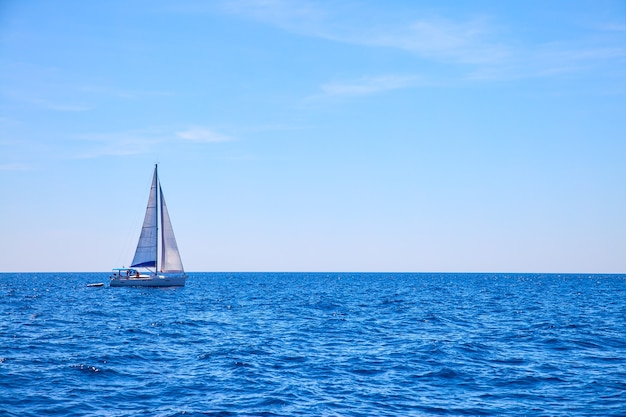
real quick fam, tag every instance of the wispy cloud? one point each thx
(202, 135)
(466, 42)
(478, 47)
(51, 105)
(473, 40)
(52, 88)
(548, 60)
(140, 141)
(122, 93)
(287, 14)
(83, 93)
(17, 166)
(125, 143)
(370, 85)
(611, 26)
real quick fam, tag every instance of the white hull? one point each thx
(165, 280)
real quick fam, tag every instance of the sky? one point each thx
(314, 135)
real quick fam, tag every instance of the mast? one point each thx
(156, 247)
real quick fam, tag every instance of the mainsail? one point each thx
(170, 257)
(146, 253)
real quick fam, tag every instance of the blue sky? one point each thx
(316, 135)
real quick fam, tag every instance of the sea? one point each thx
(314, 344)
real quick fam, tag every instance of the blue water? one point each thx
(326, 344)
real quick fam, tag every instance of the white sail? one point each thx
(170, 257)
(146, 253)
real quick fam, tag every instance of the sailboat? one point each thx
(170, 272)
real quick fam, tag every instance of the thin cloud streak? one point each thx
(473, 44)
(50, 105)
(548, 60)
(14, 167)
(138, 142)
(433, 38)
(117, 144)
(122, 93)
(370, 85)
(202, 135)
(446, 40)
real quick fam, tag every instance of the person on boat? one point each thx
(137, 274)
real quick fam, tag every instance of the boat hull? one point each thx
(149, 281)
